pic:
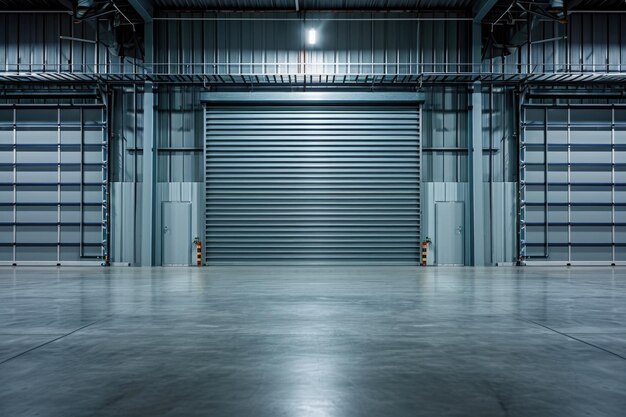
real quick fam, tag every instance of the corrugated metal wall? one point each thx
(179, 135)
(500, 173)
(445, 130)
(180, 150)
(180, 168)
(592, 42)
(349, 43)
(126, 173)
(32, 43)
(445, 158)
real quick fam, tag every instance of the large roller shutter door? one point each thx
(312, 184)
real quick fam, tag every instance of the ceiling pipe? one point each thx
(320, 19)
(290, 10)
(71, 38)
(596, 11)
(556, 6)
(36, 12)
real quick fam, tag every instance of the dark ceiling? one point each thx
(291, 5)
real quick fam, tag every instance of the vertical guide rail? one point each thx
(545, 182)
(14, 258)
(522, 182)
(419, 173)
(59, 127)
(81, 185)
(105, 181)
(569, 185)
(523, 237)
(613, 240)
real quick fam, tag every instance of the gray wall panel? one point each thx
(53, 192)
(584, 184)
(30, 43)
(349, 43)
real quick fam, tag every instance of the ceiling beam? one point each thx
(144, 8)
(572, 4)
(67, 3)
(482, 8)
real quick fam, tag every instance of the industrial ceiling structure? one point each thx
(507, 28)
(317, 5)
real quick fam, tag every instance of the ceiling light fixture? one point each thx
(311, 37)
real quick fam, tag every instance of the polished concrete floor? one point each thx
(312, 341)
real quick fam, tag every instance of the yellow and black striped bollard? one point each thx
(198, 251)
(425, 244)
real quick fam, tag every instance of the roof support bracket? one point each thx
(144, 8)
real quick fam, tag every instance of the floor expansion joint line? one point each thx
(49, 341)
(574, 338)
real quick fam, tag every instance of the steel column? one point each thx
(482, 8)
(475, 148)
(145, 10)
(149, 160)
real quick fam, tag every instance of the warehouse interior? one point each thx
(312, 207)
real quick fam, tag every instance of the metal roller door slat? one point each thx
(305, 180)
(277, 114)
(320, 212)
(295, 166)
(331, 199)
(262, 173)
(312, 184)
(290, 133)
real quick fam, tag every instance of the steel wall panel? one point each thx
(53, 194)
(349, 43)
(31, 43)
(583, 215)
(592, 42)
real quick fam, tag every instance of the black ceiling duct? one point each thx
(503, 40)
(128, 43)
(121, 40)
(90, 9)
(83, 7)
(556, 6)
(120, 36)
